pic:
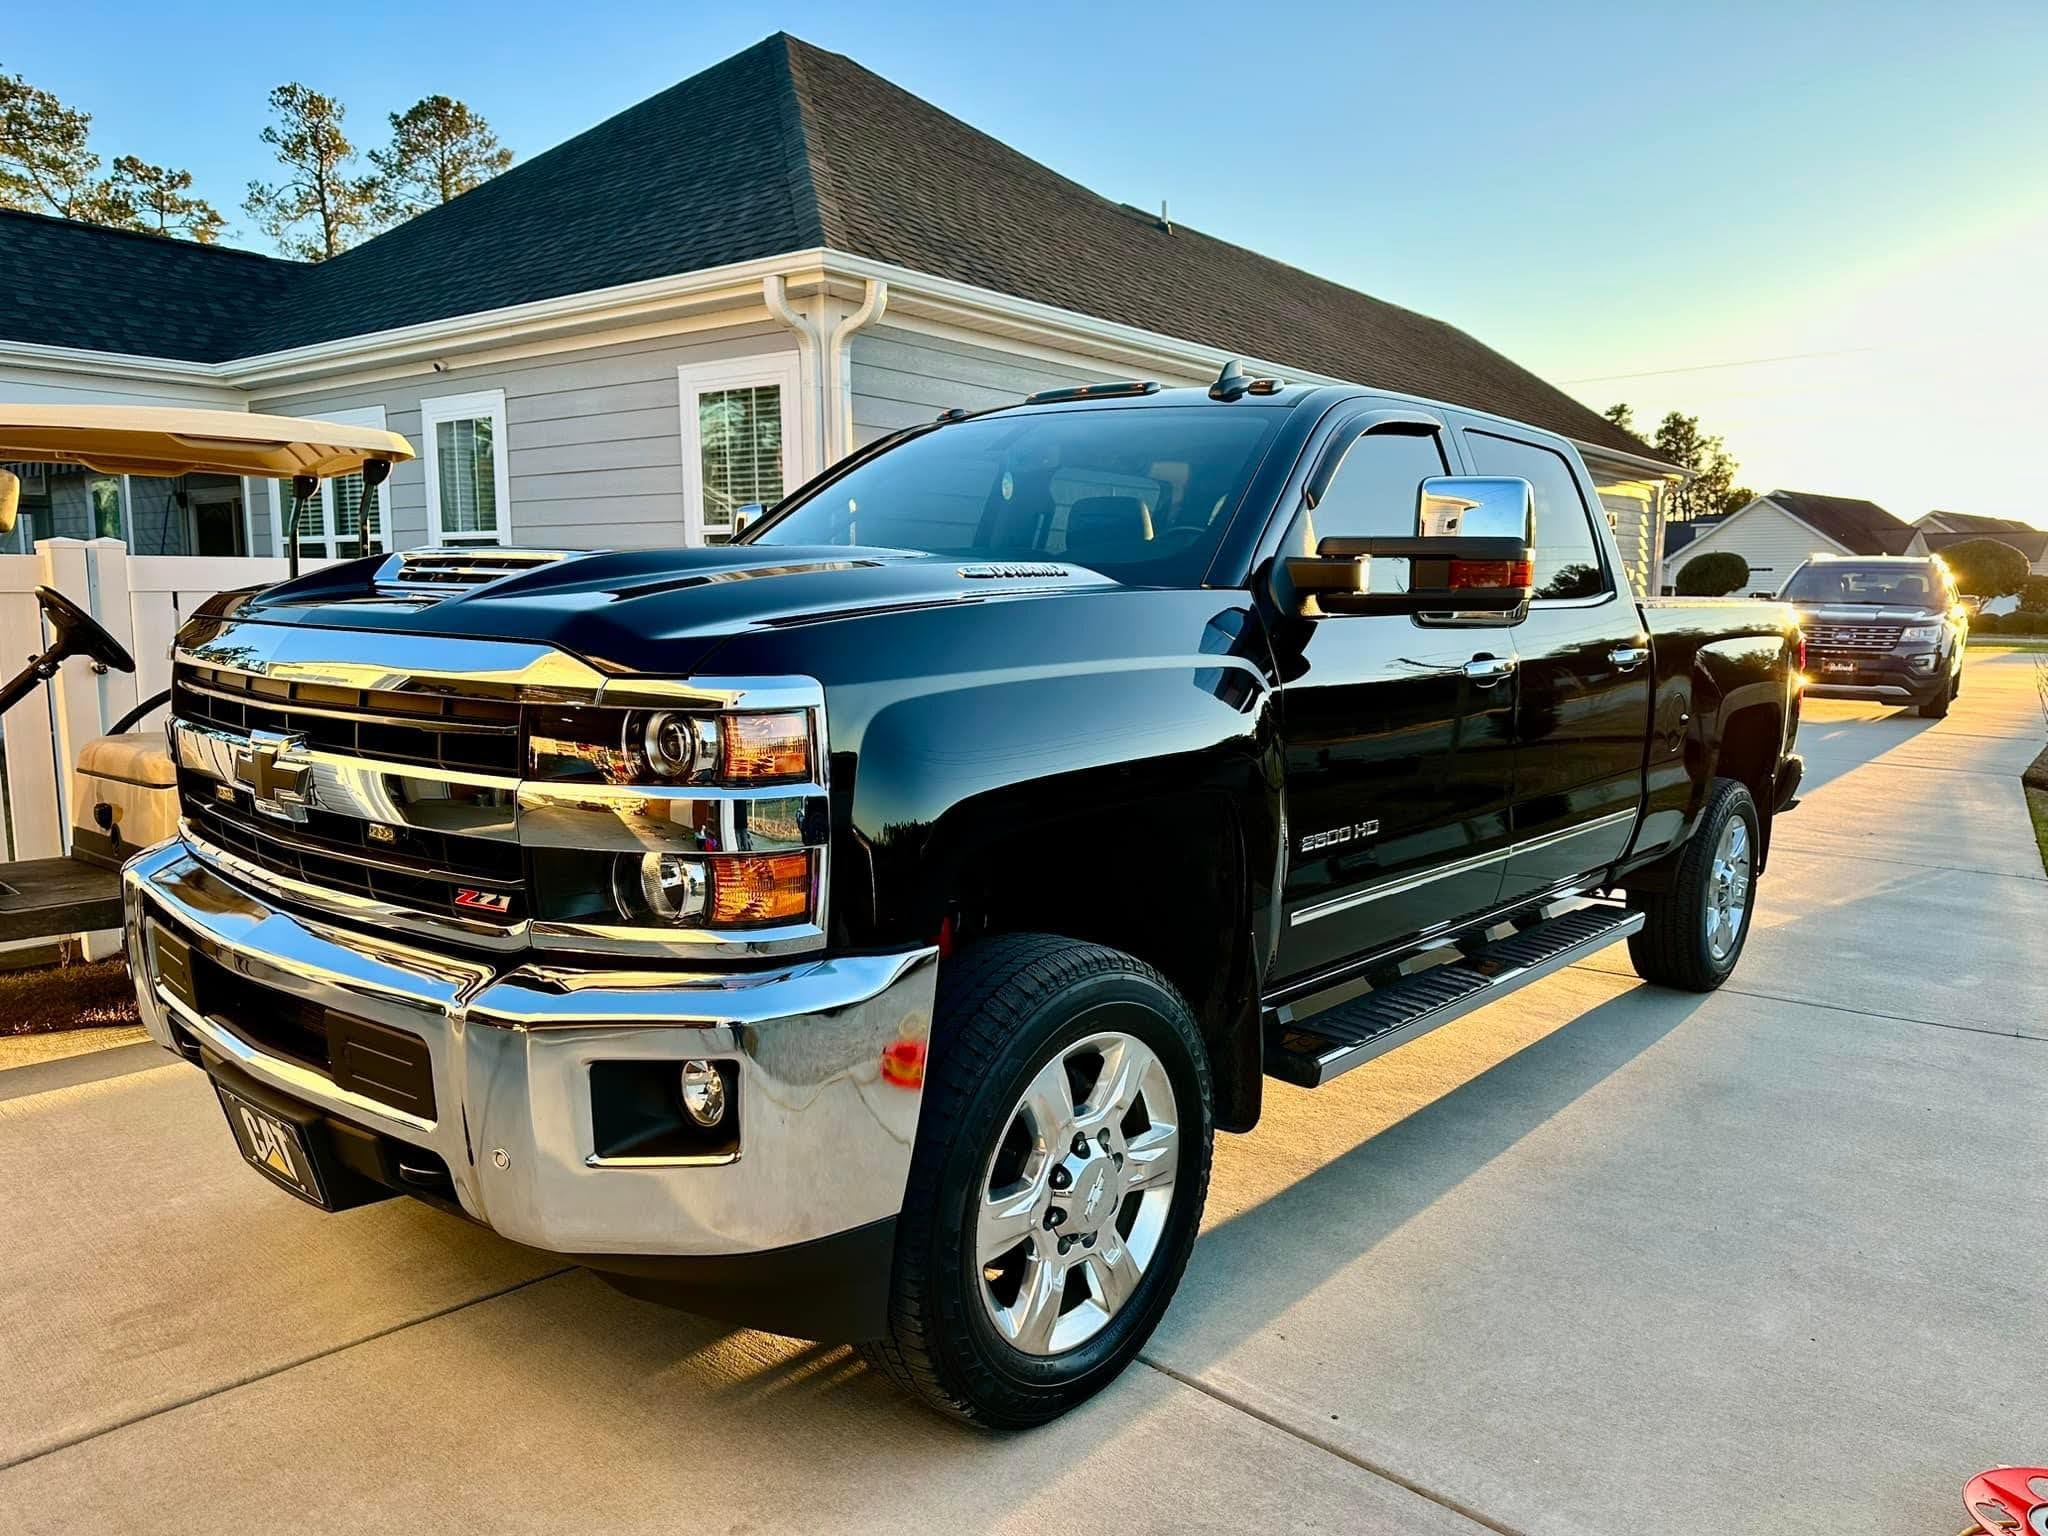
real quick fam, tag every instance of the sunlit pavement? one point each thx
(1599, 1258)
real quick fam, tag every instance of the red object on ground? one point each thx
(2009, 1499)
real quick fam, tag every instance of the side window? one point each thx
(1567, 555)
(1373, 493)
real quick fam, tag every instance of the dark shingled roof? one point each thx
(1862, 526)
(785, 147)
(1969, 522)
(64, 284)
(2029, 541)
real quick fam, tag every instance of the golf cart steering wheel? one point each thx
(79, 633)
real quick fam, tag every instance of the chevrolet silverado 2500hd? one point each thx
(861, 929)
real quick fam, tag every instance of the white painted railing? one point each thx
(141, 600)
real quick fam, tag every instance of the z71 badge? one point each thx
(1315, 842)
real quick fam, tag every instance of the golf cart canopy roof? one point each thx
(171, 440)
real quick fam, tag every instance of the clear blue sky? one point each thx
(1821, 226)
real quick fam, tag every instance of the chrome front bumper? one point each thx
(825, 1131)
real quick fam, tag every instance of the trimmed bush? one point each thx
(1985, 624)
(1713, 574)
(1986, 568)
(2034, 595)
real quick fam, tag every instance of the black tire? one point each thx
(1936, 708)
(1004, 1008)
(1671, 948)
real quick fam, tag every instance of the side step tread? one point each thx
(1311, 1051)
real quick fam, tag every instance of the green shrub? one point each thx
(1986, 568)
(2034, 595)
(1985, 624)
(1713, 574)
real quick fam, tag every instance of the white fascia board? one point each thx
(120, 365)
(597, 312)
(1653, 469)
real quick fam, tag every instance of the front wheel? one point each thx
(1061, 1164)
(1936, 708)
(1694, 930)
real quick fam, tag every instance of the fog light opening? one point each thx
(703, 1093)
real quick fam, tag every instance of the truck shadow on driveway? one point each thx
(1254, 1265)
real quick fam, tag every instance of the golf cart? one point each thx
(129, 778)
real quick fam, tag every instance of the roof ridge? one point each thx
(811, 206)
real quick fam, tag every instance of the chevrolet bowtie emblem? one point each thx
(279, 785)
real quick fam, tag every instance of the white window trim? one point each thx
(694, 380)
(356, 416)
(477, 404)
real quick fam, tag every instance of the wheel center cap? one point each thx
(1090, 1199)
(1090, 1205)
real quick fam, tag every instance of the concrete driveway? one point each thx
(1599, 1258)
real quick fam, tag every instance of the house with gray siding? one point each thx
(625, 338)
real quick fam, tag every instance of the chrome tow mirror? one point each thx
(1472, 554)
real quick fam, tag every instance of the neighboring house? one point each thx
(1775, 533)
(1940, 531)
(696, 304)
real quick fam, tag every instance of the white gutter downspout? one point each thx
(839, 439)
(827, 358)
(775, 294)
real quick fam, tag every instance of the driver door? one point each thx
(1398, 735)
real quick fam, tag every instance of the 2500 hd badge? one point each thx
(1314, 842)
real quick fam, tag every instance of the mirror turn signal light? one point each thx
(1491, 573)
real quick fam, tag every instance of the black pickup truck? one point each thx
(861, 930)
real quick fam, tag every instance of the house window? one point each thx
(739, 422)
(469, 491)
(331, 526)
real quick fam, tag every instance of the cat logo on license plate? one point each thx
(273, 1146)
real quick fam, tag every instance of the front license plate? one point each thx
(273, 1146)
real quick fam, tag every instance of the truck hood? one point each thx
(649, 611)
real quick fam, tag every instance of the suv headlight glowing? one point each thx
(1914, 633)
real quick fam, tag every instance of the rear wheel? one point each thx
(1061, 1165)
(1694, 931)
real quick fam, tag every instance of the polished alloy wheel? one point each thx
(1075, 1198)
(1728, 889)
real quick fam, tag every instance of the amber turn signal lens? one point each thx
(755, 888)
(766, 746)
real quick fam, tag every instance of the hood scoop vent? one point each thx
(428, 572)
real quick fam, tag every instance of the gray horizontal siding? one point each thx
(595, 449)
(901, 378)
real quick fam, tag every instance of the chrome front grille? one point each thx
(1852, 637)
(416, 870)
(437, 728)
(381, 777)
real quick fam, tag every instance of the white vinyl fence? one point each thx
(141, 599)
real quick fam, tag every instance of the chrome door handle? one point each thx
(1488, 670)
(1629, 657)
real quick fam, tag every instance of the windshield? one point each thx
(1883, 586)
(1141, 495)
